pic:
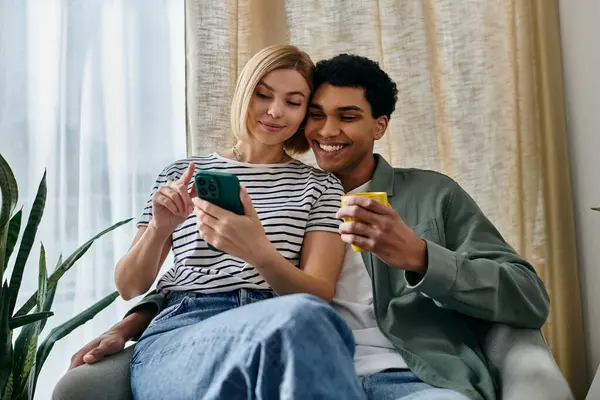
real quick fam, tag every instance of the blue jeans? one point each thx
(403, 384)
(248, 345)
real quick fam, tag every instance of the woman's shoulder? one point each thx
(181, 165)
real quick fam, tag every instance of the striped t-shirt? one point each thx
(290, 198)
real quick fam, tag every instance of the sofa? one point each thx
(520, 358)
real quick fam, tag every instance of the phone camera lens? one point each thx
(212, 187)
(202, 182)
(203, 192)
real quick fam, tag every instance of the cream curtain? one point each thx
(480, 100)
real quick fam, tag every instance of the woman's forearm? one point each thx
(137, 270)
(134, 324)
(285, 278)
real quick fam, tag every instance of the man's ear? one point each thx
(381, 125)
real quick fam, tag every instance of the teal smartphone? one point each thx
(221, 189)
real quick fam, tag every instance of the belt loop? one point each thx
(242, 295)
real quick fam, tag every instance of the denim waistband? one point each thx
(241, 296)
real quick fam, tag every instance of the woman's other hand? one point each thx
(172, 202)
(241, 236)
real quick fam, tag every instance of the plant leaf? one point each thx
(47, 305)
(64, 329)
(37, 210)
(14, 227)
(26, 373)
(6, 347)
(66, 265)
(10, 195)
(50, 297)
(16, 322)
(26, 343)
(596, 208)
(24, 356)
(42, 279)
(31, 383)
(8, 389)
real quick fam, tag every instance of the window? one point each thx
(94, 92)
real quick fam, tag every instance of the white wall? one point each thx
(580, 30)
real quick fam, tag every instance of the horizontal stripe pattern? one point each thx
(290, 199)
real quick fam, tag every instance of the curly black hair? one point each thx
(360, 72)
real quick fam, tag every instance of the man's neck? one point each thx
(358, 174)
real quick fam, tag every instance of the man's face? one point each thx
(341, 129)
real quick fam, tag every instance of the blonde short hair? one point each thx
(264, 62)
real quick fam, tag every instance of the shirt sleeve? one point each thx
(322, 214)
(153, 302)
(477, 273)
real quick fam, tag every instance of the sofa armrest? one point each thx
(108, 379)
(524, 364)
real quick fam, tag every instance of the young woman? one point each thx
(286, 242)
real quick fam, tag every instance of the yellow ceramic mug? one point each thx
(380, 197)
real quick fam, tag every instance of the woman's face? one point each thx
(278, 106)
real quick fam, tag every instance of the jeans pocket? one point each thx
(153, 328)
(170, 311)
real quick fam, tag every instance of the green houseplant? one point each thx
(21, 361)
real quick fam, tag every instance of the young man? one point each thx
(435, 275)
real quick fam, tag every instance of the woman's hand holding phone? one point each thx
(242, 236)
(172, 202)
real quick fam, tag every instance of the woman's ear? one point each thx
(381, 125)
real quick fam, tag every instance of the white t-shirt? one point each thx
(290, 198)
(353, 300)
